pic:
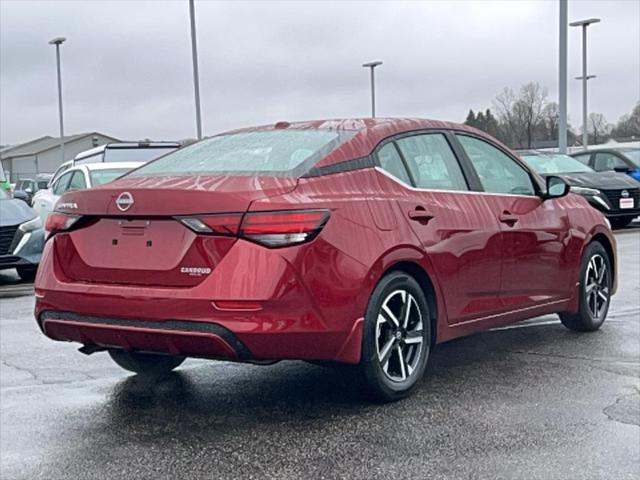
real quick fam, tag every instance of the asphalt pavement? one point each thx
(529, 401)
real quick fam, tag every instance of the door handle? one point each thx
(508, 218)
(420, 215)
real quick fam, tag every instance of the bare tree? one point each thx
(598, 127)
(550, 119)
(521, 115)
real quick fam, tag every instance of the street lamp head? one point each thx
(372, 64)
(584, 23)
(57, 41)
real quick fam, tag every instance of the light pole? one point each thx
(584, 24)
(196, 76)
(57, 42)
(562, 80)
(372, 66)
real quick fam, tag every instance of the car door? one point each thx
(458, 232)
(535, 233)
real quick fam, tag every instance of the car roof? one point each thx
(368, 133)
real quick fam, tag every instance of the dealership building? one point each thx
(43, 155)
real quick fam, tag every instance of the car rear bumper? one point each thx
(281, 314)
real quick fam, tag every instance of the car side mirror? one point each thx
(622, 169)
(28, 190)
(556, 187)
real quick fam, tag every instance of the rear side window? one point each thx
(498, 172)
(391, 162)
(432, 163)
(267, 152)
(77, 181)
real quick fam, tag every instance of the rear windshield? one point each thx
(100, 177)
(269, 152)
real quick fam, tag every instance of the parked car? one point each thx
(26, 188)
(21, 236)
(83, 176)
(5, 184)
(354, 241)
(615, 194)
(621, 159)
(129, 152)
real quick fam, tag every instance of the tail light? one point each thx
(272, 229)
(59, 222)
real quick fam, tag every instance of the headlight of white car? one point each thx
(31, 225)
(591, 192)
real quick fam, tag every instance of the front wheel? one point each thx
(594, 291)
(397, 337)
(148, 364)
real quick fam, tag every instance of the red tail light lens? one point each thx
(227, 224)
(271, 229)
(59, 222)
(283, 228)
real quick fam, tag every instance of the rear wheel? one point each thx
(397, 337)
(594, 291)
(145, 363)
(28, 274)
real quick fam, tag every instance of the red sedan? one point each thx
(353, 241)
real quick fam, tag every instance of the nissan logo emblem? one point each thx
(124, 201)
(624, 193)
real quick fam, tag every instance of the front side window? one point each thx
(607, 161)
(391, 162)
(498, 172)
(268, 152)
(77, 181)
(61, 184)
(431, 162)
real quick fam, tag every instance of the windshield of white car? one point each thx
(100, 177)
(555, 163)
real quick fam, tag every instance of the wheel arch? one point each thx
(609, 247)
(417, 272)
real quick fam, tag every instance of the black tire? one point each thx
(621, 222)
(398, 376)
(148, 364)
(590, 315)
(28, 274)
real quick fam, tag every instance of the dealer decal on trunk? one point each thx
(195, 271)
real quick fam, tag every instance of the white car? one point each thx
(79, 177)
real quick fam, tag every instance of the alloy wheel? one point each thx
(596, 286)
(399, 335)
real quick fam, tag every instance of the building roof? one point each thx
(43, 144)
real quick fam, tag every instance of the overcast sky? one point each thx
(127, 64)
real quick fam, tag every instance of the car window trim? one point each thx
(471, 182)
(537, 184)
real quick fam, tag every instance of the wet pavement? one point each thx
(529, 401)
